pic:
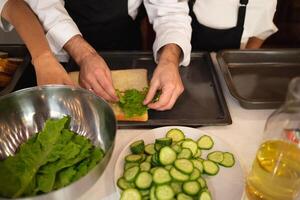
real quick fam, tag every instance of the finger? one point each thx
(111, 81)
(68, 81)
(171, 102)
(106, 84)
(99, 90)
(151, 93)
(84, 84)
(163, 100)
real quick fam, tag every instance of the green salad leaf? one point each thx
(49, 160)
(131, 102)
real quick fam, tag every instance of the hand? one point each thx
(167, 79)
(49, 71)
(95, 74)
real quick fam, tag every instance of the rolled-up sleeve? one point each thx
(58, 25)
(172, 24)
(5, 26)
(259, 20)
(267, 26)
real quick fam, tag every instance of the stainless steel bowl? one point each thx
(23, 113)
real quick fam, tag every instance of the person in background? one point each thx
(81, 28)
(231, 24)
(48, 69)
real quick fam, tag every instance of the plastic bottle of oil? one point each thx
(275, 173)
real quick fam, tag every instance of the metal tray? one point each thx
(202, 102)
(258, 79)
(15, 51)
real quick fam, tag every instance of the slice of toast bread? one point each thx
(124, 80)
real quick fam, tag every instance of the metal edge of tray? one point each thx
(246, 103)
(226, 120)
(18, 73)
(219, 91)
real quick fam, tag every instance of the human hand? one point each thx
(167, 79)
(49, 71)
(94, 73)
(95, 76)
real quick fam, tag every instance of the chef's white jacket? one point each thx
(170, 20)
(223, 14)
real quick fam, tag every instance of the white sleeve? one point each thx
(259, 20)
(58, 25)
(172, 24)
(266, 30)
(3, 23)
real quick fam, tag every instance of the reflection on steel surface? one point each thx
(23, 114)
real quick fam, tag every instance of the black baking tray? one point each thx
(202, 102)
(15, 51)
(259, 79)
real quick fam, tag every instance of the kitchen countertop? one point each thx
(244, 135)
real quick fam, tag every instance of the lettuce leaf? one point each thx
(18, 172)
(131, 102)
(49, 160)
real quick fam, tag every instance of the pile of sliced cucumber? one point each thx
(171, 168)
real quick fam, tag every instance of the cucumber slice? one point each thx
(202, 182)
(145, 193)
(176, 135)
(144, 156)
(176, 186)
(198, 164)
(149, 158)
(155, 159)
(176, 148)
(190, 144)
(133, 158)
(167, 155)
(215, 156)
(195, 174)
(145, 166)
(191, 187)
(137, 147)
(228, 160)
(168, 167)
(182, 196)
(184, 165)
(153, 169)
(205, 142)
(143, 180)
(123, 184)
(205, 195)
(157, 147)
(131, 194)
(180, 142)
(131, 173)
(210, 167)
(129, 165)
(185, 153)
(164, 141)
(198, 154)
(164, 192)
(177, 175)
(152, 193)
(149, 149)
(161, 176)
